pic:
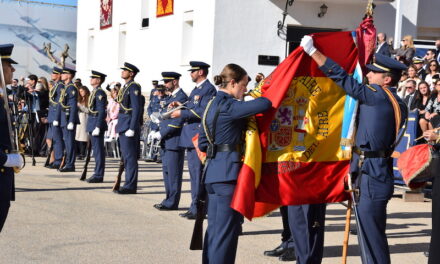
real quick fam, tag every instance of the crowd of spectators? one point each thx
(419, 86)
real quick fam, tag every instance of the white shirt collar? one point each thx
(200, 83)
(175, 91)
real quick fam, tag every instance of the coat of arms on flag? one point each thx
(164, 8)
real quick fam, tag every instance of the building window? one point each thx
(122, 41)
(90, 48)
(145, 20)
(187, 37)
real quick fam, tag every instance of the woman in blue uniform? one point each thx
(224, 123)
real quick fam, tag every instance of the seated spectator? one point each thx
(421, 99)
(430, 55)
(112, 114)
(401, 84)
(418, 64)
(432, 71)
(410, 88)
(432, 110)
(382, 45)
(412, 75)
(406, 51)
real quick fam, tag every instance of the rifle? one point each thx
(86, 164)
(118, 177)
(197, 236)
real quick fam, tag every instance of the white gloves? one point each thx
(157, 135)
(70, 126)
(55, 123)
(248, 98)
(307, 44)
(14, 160)
(95, 132)
(129, 133)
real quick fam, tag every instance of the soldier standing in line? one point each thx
(128, 127)
(68, 106)
(96, 124)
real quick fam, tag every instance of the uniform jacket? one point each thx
(376, 122)
(384, 50)
(196, 105)
(97, 110)
(7, 174)
(170, 129)
(130, 103)
(68, 105)
(155, 106)
(230, 126)
(54, 99)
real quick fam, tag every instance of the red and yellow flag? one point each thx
(164, 8)
(293, 154)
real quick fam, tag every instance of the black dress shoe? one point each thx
(191, 216)
(66, 169)
(122, 190)
(54, 166)
(278, 251)
(95, 180)
(162, 207)
(185, 214)
(48, 165)
(289, 255)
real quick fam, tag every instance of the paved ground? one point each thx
(59, 219)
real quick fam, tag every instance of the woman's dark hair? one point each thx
(84, 100)
(418, 95)
(429, 66)
(230, 72)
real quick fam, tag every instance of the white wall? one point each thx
(153, 49)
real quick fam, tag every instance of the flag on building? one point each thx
(164, 8)
(293, 152)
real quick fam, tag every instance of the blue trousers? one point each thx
(195, 171)
(286, 235)
(58, 144)
(172, 169)
(307, 224)
(99, 154)
(6, 193)
(224, 225)
(69, 141)
(372, 210)
(130, 149)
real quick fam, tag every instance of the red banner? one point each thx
(106, 17)
(164, 8)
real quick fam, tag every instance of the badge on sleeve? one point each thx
(196, 99)
(100, 97)
(136, 92)
(73, 92)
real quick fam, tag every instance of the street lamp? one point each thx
(323, 10)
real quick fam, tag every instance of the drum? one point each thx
(418, 165)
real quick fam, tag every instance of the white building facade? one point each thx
(223, 31)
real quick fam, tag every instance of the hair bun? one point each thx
(218, 80)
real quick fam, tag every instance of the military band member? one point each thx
(96, 124)
(173, 154)
(156, 105)
(197, 101)
(7, 160)
(68, 108)
(54, 133)
(224, 123)
(375, 140)
(128, 127)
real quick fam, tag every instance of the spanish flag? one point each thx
(293, 152)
